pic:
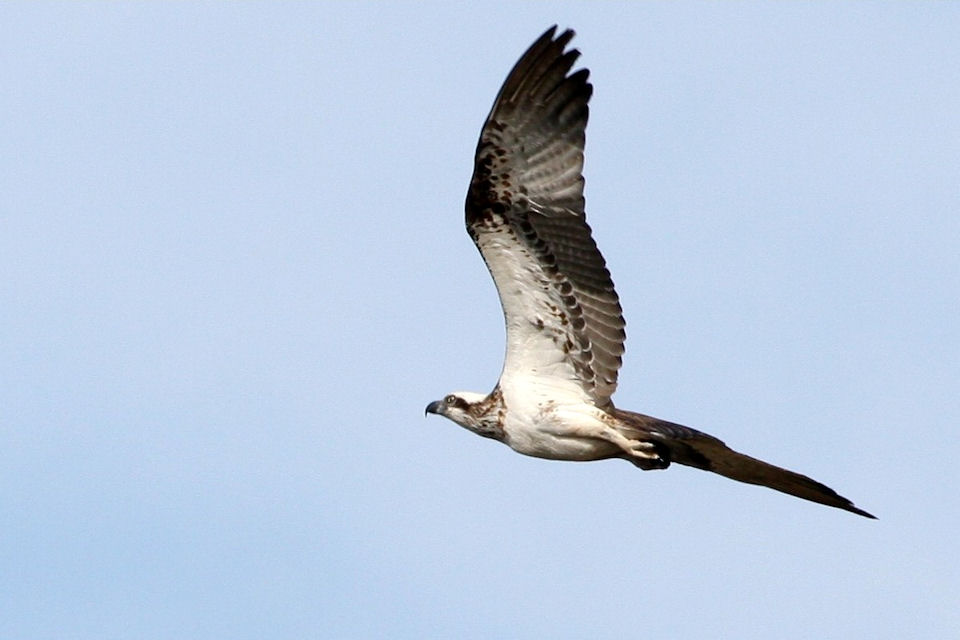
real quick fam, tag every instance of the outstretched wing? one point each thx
(677, 443)
(525, 212)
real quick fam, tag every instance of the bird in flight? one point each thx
(565, 328)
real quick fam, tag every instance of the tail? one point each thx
(697, 449)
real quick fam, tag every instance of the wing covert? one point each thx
(525, 212)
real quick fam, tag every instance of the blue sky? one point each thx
(234, 272)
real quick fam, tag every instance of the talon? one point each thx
(645, 455)
(644, 449)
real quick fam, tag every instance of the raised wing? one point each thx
(525, 212)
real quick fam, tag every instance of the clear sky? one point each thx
(233, 272)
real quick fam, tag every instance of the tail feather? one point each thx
(697, 449)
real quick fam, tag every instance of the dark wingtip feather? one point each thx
(859, 512)
(565, 37)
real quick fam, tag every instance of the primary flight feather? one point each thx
(565, 328)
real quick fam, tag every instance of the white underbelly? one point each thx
(544, 430)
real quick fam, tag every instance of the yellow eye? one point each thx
(450, 399)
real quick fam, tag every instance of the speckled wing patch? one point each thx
(525, 212)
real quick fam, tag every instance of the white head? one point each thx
(476, 412)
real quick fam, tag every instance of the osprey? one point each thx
(565, 328)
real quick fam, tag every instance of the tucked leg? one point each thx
(641, 453)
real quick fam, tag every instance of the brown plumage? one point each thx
(527, 179)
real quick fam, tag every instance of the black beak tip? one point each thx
(433, 407)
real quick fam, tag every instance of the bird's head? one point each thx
(467, 409)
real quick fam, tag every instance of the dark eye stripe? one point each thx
(456, 401)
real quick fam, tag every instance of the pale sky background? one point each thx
(233, 272)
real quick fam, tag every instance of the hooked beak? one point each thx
(433, 407)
